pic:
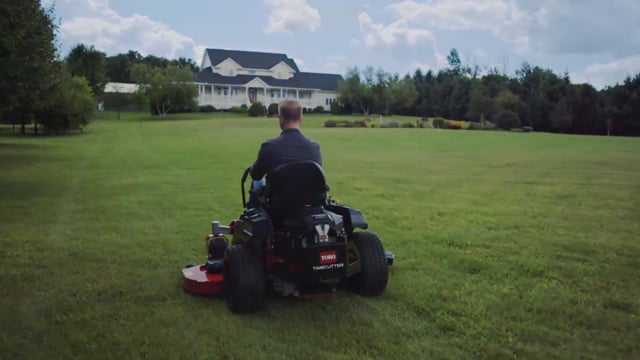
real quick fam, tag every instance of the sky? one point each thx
(594, 41)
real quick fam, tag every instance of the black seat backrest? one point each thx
(294, 186)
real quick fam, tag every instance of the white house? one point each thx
(231, 78)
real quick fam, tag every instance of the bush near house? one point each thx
(238, 109)
(257, 109)
(273, 109)
(207, 108)
(318, 109)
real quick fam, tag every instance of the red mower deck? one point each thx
(197, 281)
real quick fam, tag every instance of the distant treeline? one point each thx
(538, 97)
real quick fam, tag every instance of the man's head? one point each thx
(290, 114)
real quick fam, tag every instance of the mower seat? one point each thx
(296, 186)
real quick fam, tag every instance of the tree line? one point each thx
(60, 94)
(535, 98)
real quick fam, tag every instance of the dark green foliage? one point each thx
(90, 63)
(507, 120)
(273, 109)
(207, 108)
(336, 109)
(28, 70)
(318, 109)
(562, 117)
(72, 107)
(438, 123)
(347, 123)
(257, 109)
(238, 109)
(169, 89)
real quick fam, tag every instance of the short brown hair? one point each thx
(290, 111)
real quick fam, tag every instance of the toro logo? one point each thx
(328, 257)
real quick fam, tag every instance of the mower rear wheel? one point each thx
(244, 287)
(374, 269)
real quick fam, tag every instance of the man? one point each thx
(290, 146)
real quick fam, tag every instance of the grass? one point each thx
(508, 245)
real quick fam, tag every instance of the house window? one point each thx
(300, 95)
(226, 91)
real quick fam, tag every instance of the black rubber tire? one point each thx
(374, 273)
(244, 286)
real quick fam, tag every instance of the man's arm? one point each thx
(259, 168)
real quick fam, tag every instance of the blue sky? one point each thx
(595, 41)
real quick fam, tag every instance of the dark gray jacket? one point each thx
(290, 146)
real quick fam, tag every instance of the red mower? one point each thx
(297, 243)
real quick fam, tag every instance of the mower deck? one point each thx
(197, 281)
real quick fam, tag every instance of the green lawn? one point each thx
(508, 245)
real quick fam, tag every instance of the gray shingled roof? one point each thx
(250, 59)
(301, 80)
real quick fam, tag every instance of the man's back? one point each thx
(290, 146)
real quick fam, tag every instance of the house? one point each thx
(232, 78)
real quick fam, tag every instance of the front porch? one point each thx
(225, 97)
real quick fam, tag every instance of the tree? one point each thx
(355, 91)
(508, 101)
(89, 63)
(168, 89)
(72, 107)
(507, 120)
(403, 94)
(27, 58)
(561, 118)
(480, 102)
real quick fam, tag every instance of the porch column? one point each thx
(297, 94)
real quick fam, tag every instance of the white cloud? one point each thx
(608, 74)
(292, 15)
(397, 33)
(548, 26)
(111, 32)
(335, 63)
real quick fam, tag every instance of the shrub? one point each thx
(474, 126)
(407, 125)
(257, 109)
(390, 124)
(506, 120)
(318, 109)
(207, 108)
(438, 123)
(273, 109)
(74, 105)
(452, 125)
(330, 123)
(237, 110)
